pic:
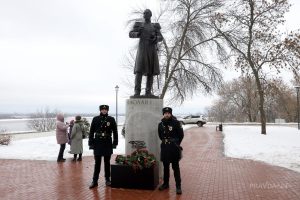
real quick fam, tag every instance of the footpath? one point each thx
(206, 174)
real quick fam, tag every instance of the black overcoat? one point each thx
(171, 134)
(146, 57)
(103, 145)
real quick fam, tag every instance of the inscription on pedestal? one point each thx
(142, 118)
(139, 102)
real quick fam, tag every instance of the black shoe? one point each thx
(108, 182)
(136, 95)
(79, 159)
(74, 160)
(61, 160)
(178, 190)
(163, 187)
(151, 96)
(93, 184)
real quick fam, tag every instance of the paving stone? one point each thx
(206, 174)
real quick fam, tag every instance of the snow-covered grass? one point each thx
(43, 146)
(281, 145)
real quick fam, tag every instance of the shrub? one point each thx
(5, 139)
(87, 126)
(43, 120)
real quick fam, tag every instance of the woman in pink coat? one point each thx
(61, 136)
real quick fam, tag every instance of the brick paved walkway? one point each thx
(206, 174)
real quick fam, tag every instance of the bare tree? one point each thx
(221, 112)
(241, 93)
(292, 42)
(43, 120)
(239, 101)
(189, 50)
(282, 100)
(250, 28)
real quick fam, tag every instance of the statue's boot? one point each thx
(138, 82)
(149, 86)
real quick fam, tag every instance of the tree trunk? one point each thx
(164, 90)
(262, 112)
(250, 117)
(261, 104)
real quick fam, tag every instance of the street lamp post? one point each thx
(117, 89)
(297, 89)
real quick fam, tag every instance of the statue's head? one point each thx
(147, 14)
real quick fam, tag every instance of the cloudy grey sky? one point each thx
(68, 54)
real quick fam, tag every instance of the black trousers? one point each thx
(80, 155)
(61, 151)
(176, 170)
(98, 166)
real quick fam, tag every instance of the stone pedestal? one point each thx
(142, 118)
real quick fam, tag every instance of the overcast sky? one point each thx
(68, 54)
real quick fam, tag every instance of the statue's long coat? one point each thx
(146, 61)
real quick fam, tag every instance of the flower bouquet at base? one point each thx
(139, 159)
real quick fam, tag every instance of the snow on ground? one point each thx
(281, 145)
(43, 146)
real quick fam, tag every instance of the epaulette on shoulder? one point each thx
(137, 24)
(111, 117)
(156, 25)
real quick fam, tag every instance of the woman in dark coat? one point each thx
(171, 134)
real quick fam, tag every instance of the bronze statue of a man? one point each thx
(146, 62)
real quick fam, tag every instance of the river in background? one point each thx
(20, 125)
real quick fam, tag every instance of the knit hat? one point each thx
(167, 109)
(78, 118)
(104, 107)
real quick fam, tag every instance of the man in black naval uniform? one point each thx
(171, 134)
(102, 129)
